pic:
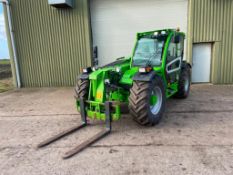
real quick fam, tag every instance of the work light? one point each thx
(163, 32)
(118, 69)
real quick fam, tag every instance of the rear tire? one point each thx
(82, 89)
(140, 107)
(184, 83)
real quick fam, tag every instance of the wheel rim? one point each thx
(156, 100)
(186, 84)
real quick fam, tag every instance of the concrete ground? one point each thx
(194, 137)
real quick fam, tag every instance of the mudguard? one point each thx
(184, 64)
(84, 76)
(144, 76)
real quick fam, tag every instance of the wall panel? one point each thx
(212, 21)
(52, 44)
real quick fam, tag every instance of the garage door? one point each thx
(115, 23)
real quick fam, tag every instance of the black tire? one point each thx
(139, 101)
(184, 82)
(82, 89)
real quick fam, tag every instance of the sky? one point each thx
(3, 41)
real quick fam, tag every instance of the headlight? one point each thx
(107, 81)
(85, 70)
(144, 69)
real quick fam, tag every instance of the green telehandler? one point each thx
(139, 84)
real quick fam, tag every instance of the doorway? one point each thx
(201, 63)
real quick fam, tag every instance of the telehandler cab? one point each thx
(139, 84)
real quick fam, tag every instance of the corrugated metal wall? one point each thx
(212, 21)
(52, 44)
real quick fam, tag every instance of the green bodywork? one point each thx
(123, 74)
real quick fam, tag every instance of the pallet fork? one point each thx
(88, 142)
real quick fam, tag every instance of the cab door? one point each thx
(174, 58)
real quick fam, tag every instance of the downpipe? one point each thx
(18, 81)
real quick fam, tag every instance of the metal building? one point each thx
(211, 26)
(54, 43)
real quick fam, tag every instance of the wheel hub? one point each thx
(155, 106)
(186, 84)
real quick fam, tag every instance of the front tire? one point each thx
(82, 89)
(147, 101)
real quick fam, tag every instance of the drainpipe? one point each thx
(7, 3)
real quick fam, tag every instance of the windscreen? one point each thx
(148, 52)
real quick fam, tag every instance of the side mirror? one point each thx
(95, 52)
(177, 39)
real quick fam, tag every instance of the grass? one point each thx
(6, 84)
(5, 76)
(4, 61)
